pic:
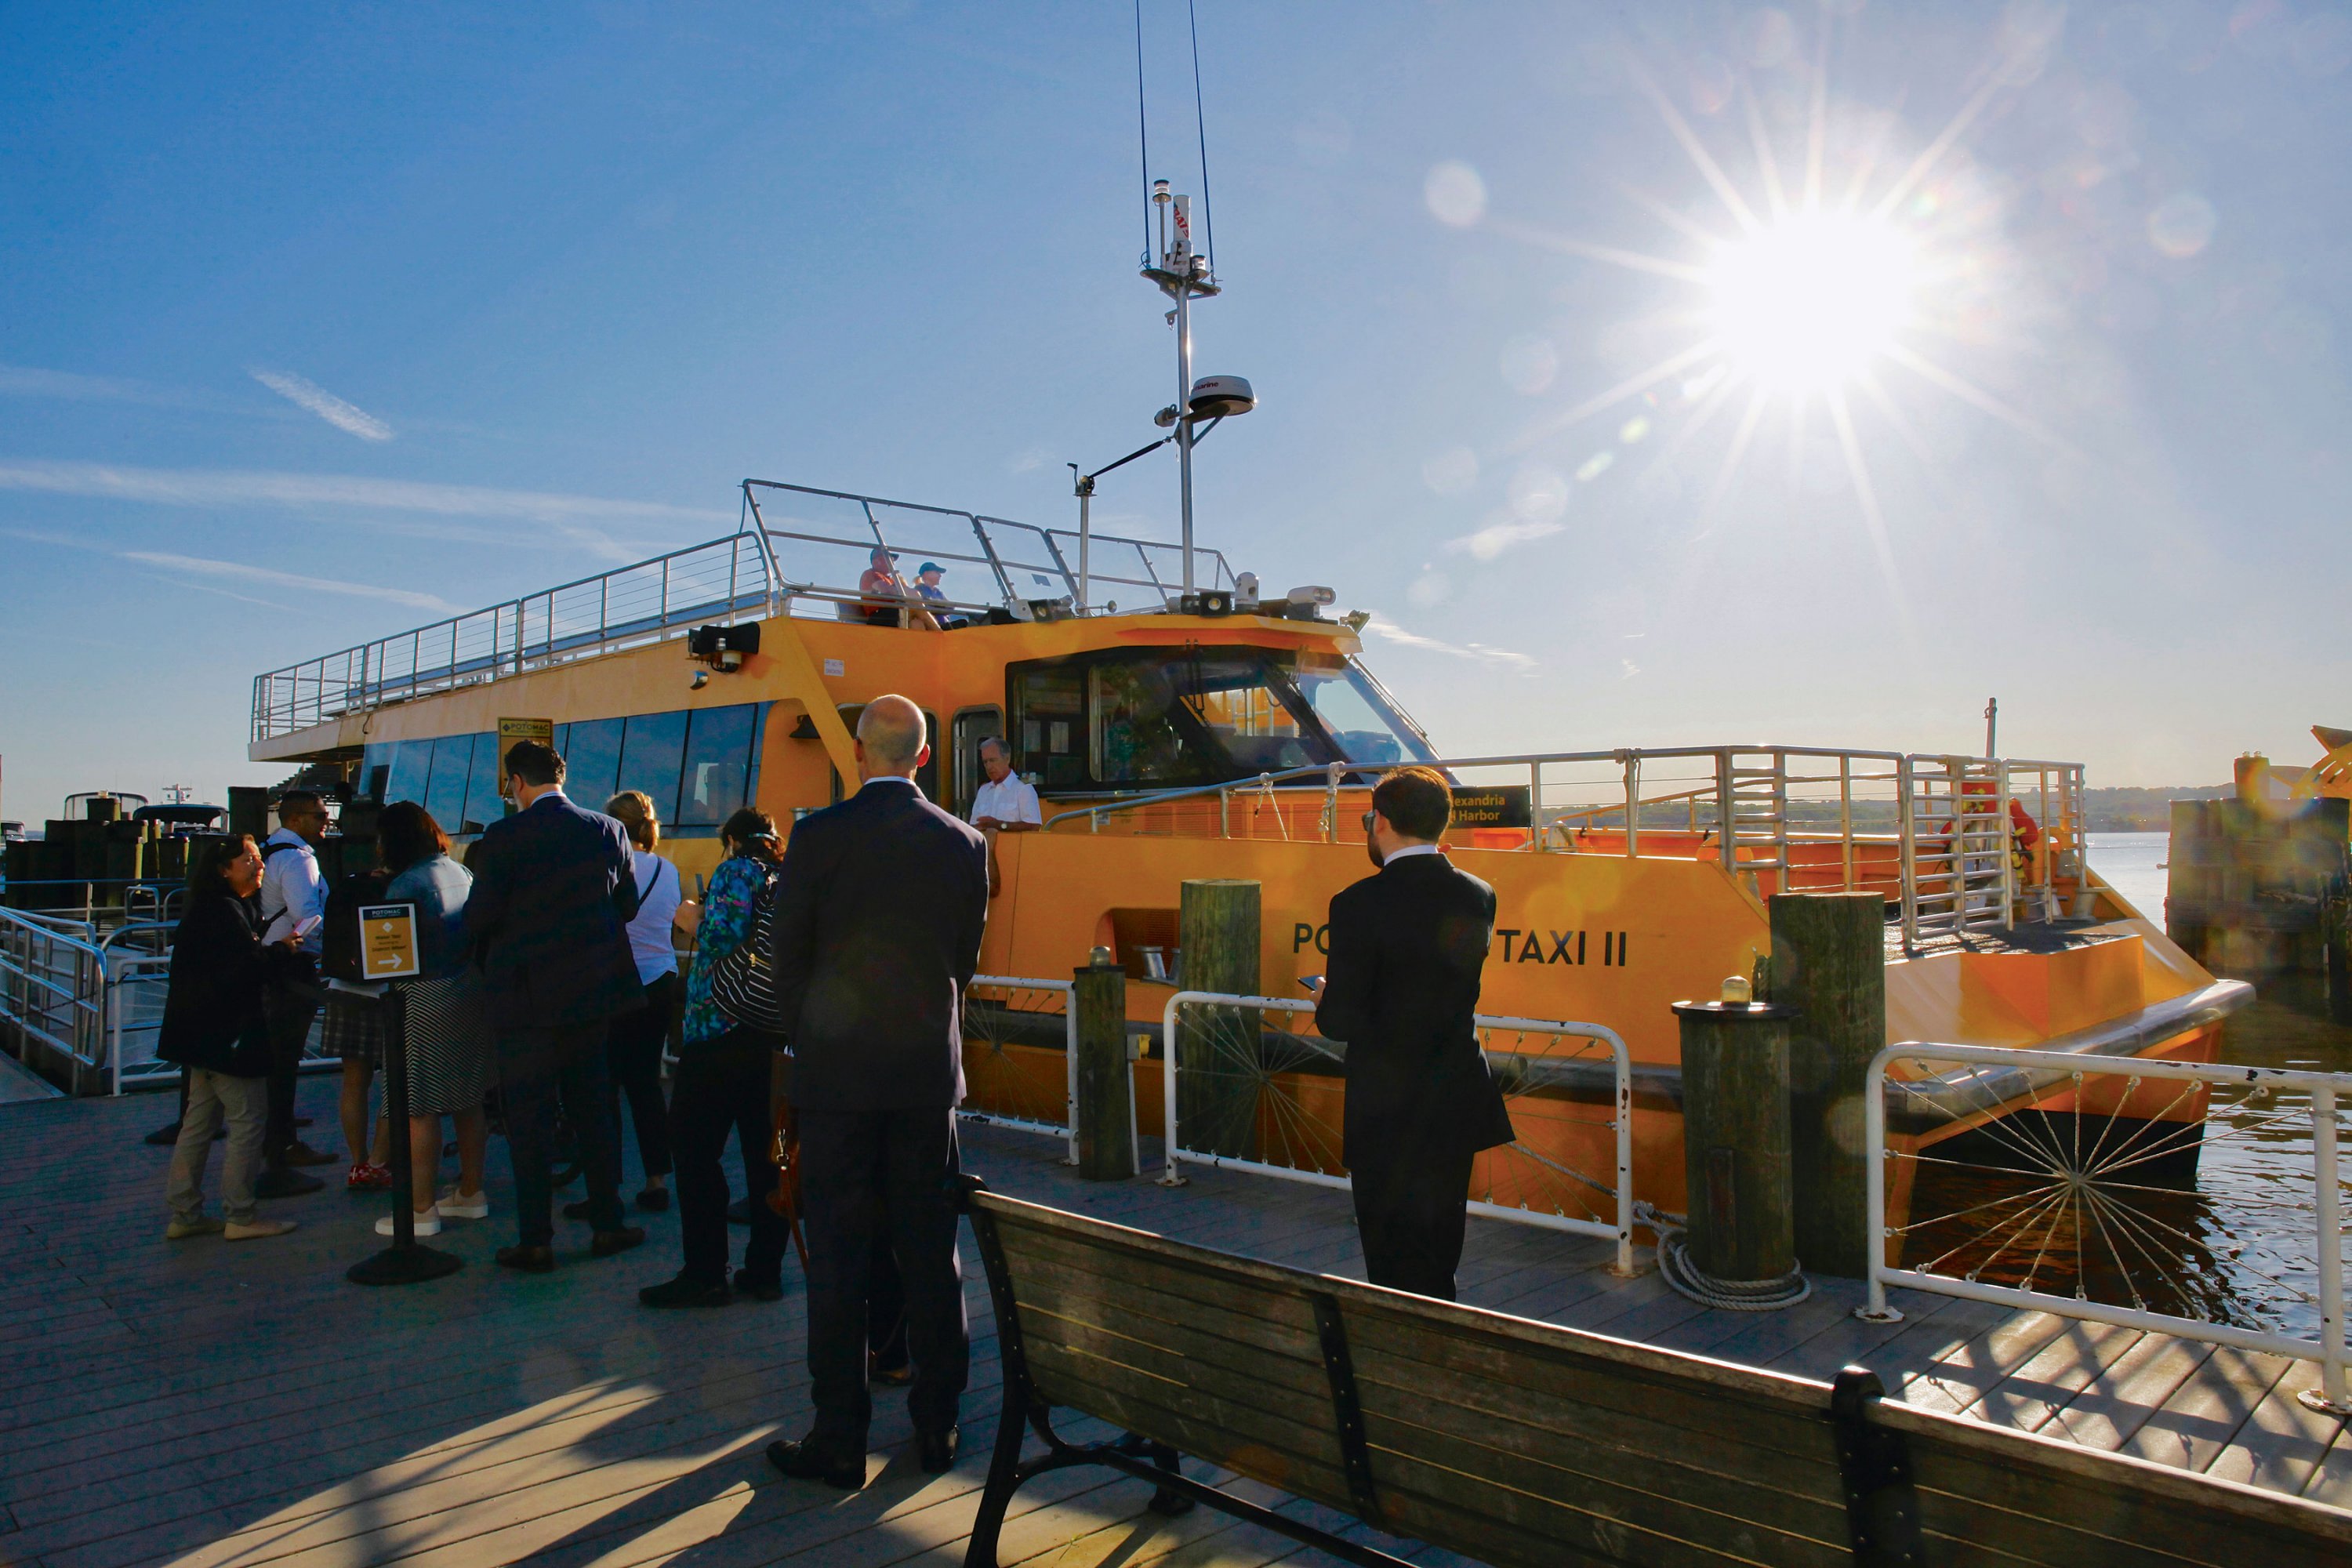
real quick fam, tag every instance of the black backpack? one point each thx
(339, 951)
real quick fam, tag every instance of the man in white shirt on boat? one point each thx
(1006, 802)
(294, 903)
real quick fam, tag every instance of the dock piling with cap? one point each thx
(1829, 967)
(1106, 1107)
(1216, 1094)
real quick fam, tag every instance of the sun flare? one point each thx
(1807, 303)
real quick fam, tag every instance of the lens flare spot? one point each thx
(2182, 224)
(1456, 194)
(1808, 304)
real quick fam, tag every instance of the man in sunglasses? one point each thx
(1407, 946)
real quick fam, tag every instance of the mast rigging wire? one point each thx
(1200, 120)
(1142, 132)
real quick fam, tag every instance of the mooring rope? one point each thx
(1688, 1280)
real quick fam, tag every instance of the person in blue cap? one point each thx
(928, 589)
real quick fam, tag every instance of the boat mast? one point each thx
(1181, 273)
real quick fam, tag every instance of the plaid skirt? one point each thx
(353, 1029)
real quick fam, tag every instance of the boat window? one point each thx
(445, 796)
(412, 768)
(973, 726)
(653, 747)
(1169, 717)
(592, 760)
(483, 803)
(1367, 729)
(718, 752)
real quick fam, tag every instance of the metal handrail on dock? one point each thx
(2012, 1079)
(1537, 1070)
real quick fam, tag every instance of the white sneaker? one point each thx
(454, 1207)
(427, 1223)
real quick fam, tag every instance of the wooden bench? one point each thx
(1528, 1446)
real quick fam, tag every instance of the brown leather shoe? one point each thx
(605, 1243)
(529, 1259)
(300, 1153)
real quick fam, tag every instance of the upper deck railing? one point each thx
(801, 554)
(1963, 844)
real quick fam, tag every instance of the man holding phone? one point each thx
(293, 908)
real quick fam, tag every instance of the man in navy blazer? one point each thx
(553, 893)
(1407, 947)
(878, 921)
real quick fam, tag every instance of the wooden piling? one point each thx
(1829, 967)
(1735, 1139)
(1106, 1107)
(1217, 1047)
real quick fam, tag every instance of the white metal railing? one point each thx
(667, 596)
(53, 985)
(1526, 1078)
(2074, 1179)
(1066, 1129)
(1935, 832)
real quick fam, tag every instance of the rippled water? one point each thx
(2235, 1241)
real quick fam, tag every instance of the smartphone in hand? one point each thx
(1313, 982)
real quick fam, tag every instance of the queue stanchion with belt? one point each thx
(407, 1261)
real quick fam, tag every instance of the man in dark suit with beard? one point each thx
(1406, 949)
(553, 892)
(877, 920)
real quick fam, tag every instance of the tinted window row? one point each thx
(698, 765)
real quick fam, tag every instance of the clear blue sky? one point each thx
(313, 317)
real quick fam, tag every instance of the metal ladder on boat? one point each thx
(1957, 874)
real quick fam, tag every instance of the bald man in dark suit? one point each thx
(878, 923)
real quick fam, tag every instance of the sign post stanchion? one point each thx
(389, 954)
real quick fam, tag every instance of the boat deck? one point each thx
(203, 1404)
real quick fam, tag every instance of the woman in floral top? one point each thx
(721, 1088)
(750, 840)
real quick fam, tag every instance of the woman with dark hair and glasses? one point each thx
(215, 1029)
(446, 1027)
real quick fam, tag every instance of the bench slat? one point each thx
(1165, 1351)
(1204, 1437)
(1116, 1302)
(1513, 1529)
(1404, 1428)
(1281, 1312)
(1272, 1416)
(1603, 1404)
(2069, 1519)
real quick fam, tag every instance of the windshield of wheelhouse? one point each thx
(1166, 717)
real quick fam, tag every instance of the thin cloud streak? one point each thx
(317, 399)
(1502, 659)
(203, 566)
(223, 488)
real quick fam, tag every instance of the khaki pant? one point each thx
(244, 1101)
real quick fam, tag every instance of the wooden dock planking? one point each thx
(225, 1406)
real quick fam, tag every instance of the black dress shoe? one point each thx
(812, 1459)
(578, 1210)
(740, 1212)
(686, 1292)
(529, 1259)
(284, 1184)
(605, 1243)
(759, 1289)
(897, 1376)
(654, 1200)
(165, 1137)
(936, 1451)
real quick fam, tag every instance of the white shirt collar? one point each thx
(1396, 855)
(889, 779)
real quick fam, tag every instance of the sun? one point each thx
(1808, 303)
